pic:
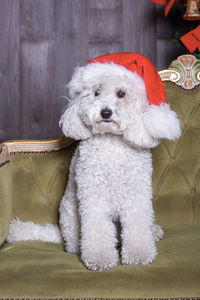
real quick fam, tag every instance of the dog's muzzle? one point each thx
(107, 122)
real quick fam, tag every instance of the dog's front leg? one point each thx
(69, 219)
(98, 239)
(138, 243)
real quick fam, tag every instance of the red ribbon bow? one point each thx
(191, 40)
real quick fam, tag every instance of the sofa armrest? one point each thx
(5, 192)
(33, 177)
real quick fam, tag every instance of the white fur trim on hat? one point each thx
(162, 122)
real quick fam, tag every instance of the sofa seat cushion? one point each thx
(45, 270)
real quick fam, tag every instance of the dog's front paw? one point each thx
(140, 253)
(99, 266)
(100, 260)
(72, 248)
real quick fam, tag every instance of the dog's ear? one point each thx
(76, 85)
(72, 124)
(151, 124)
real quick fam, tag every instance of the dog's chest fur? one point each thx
(113, 168)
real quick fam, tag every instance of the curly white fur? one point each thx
(111, 170)
(28, 231)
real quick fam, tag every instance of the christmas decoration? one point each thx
(192, 11)
(191, 40)
(192, 8)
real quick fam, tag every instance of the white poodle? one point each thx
(110, 176)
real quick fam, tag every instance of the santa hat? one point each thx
(140, 64)
(159, 120)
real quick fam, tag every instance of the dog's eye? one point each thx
(97, 92)
(121, 94)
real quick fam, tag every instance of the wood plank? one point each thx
(167, 52)
(139, 28)
(165, 26)
(9, 69)
(98, 48)
(104, 20)
(36, 19)
(37, 60)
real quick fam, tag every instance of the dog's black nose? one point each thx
(106, 113)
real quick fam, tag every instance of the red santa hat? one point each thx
(140, 64)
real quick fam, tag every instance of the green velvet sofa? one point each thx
(33, 176)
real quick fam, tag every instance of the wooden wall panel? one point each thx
(42, 41)
(37, 88)
(9, 69)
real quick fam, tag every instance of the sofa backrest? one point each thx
(176, 165)
(176, 175)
